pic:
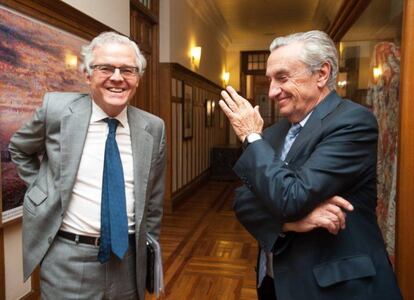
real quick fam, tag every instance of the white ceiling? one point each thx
(252, 24)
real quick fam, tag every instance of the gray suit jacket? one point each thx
(47, 152)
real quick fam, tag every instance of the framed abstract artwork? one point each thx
(35, 58)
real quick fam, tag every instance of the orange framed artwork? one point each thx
(35, 58)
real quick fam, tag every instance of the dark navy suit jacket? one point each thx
(334, 154)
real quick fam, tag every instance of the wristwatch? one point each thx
(252, 137)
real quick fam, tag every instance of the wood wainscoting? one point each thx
(188, 154)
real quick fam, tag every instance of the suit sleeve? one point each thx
(28, 144)
(156, 198)
(258, 221)
(345, 152)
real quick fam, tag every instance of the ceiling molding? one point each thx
(347, 15)
(208, 12)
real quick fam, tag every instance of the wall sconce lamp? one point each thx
(196, 56)
(226, 78)
(342, 84)
(377, 72)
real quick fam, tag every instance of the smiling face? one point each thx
(292, 85)
(112, 93)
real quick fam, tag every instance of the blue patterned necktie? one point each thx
(289, 139)
(114, 222)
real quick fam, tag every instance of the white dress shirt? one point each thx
(83, 215)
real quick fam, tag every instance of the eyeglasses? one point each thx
(108, 70)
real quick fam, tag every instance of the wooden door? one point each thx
(144, 30)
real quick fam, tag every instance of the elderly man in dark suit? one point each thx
(95, 170)
(325, 146)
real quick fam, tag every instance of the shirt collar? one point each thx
(303, 122)
(98, 115)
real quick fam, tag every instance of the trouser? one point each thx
(71, 270)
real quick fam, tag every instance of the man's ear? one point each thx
(87, 76)
(323, 74)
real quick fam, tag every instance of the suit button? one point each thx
(50, 240)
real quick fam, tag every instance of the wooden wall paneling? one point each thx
(189, 160)
(199, 110)
(174, 146)
(185, 161)
(192, 154)
(197, 151)
(211, 146)
(144, 30)
(405, 186)
(200, 137)
(200, 128)
(203, 138)
(207, 145)
(152, 13)
(206, 150)
(194, 144)
(174, 150)
(180, 145)
(166, 114)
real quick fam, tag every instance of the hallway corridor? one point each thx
(207, 254)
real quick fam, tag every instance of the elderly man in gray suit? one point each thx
(95, 170)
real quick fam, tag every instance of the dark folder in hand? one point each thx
(150, 267)
(155, 276)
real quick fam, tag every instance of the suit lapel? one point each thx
(142, 146)
(74, 127)
(314, 123)
(276, 135)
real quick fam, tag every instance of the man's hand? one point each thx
(329, 215)
(242, 116)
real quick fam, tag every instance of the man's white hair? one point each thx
(110, 37)
(318, 48)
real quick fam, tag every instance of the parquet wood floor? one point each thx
(207, 254)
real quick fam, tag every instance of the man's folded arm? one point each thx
(267, 228)
(333, 168)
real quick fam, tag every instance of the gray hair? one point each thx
(110, 37)
(318, 49)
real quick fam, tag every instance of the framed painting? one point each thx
(35, 58)
(188, 112)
